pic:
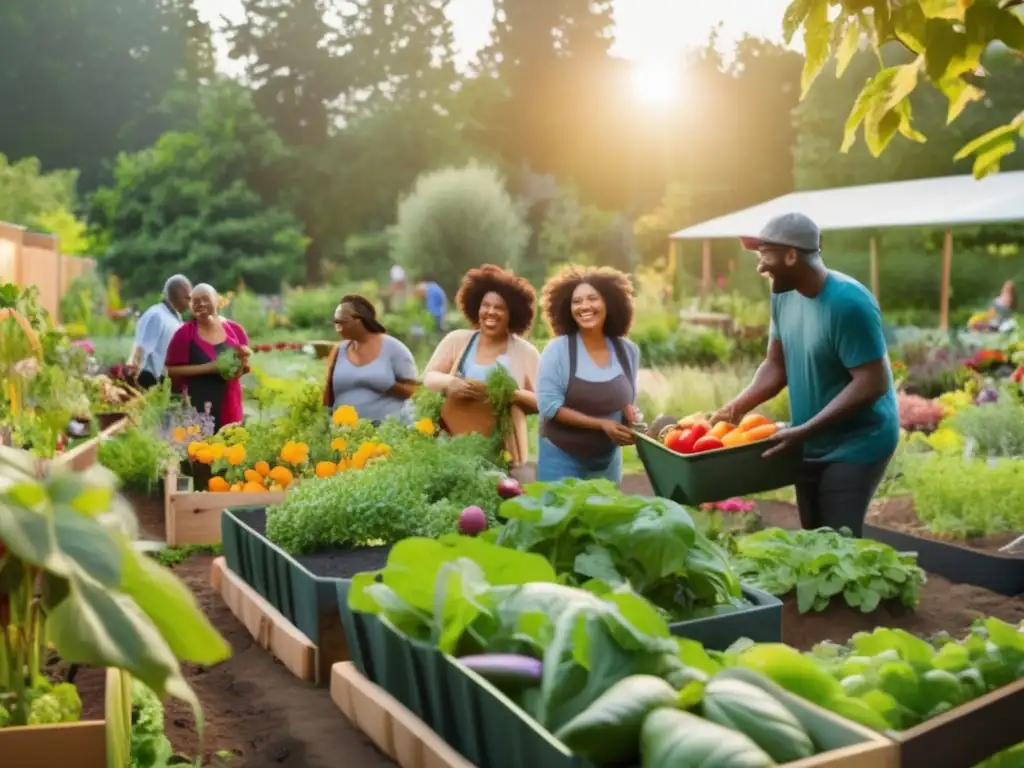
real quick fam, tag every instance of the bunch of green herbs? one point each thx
(137, 458)
(823, 564)
(229, 363)
(419, 490)
(967, 498)
(591, 530)
(996, 429)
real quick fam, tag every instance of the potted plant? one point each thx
(73, 576)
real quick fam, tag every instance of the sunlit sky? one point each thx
(658, 29)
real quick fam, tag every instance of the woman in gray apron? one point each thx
(587, 378)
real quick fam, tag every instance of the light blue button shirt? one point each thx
(153, 334)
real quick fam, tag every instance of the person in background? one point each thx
(827, 345)
(588, 375)
(192, 359)
(394, 295)
(999, 311)
(499, 306)
(155, 329)
(436, 301)
(369, 370)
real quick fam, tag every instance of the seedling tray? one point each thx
(762, 623)
(997, 573)
(715, 475)
(488, 729)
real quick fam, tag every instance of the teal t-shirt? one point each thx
(823, 338)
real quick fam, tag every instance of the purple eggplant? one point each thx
(507, 671)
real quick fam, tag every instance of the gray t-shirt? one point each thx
(364, 386)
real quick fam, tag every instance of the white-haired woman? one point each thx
(155, 329)
(192, 359)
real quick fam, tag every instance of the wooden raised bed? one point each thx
(83, 744)
(193, 517)
(396, 731)
(84, 456)
(966, 736)
(272, 631)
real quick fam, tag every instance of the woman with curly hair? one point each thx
(588, 375)
(499, 306)
(369, 370)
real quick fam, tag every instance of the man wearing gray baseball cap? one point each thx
(827, 345)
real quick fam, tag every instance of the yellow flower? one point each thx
(326, 469)
(205, 456)
(345, 416)
(217, 450)
(506, 456)
(195, 448)
(425, 427)
(383, 449)
(178, 434)
(235, 455)
(294, 453)
(193, 429)
(338, 444)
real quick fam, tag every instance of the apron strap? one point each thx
(465, 353)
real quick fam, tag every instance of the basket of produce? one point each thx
(692, 462)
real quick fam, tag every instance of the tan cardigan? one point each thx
(523, 359)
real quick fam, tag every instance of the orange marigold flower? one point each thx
(326, 469)
(236, 455)
(281, 476)
(345, 416)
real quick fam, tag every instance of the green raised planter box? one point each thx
(488, 729)
(762, 623)
(290, 584)
(715, 475)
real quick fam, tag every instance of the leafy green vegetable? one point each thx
(138, 458)
(229, 363)
(750, 710)
(608, 731)
(589, 530)
(419, 491)
(150, 745)
(823, 564)
(681, 740)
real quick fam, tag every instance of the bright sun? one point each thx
(656, 82)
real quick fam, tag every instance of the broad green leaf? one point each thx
(99, 627)
(847, 48)
(817, 33)
(28, 532)
(991, 138)
(867, 100)
(88, 547)
(911, 25)
(903, 83)
(597, 563)
(795, 14)
(172, 608)
(942, 9)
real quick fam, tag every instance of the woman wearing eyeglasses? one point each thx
(368, 370)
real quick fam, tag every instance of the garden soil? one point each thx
(258, 712)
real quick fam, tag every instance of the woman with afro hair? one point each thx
(588, 375)
(499, 306)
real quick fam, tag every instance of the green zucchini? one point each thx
(673, 739)
(608, 731)
(756, 713)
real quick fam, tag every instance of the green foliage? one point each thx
(247, 310)
(44, 202)
(435, 478)
(590, 530)
(198, 202)
(947, 41)
(823, 564)
(997, 429)
(98, 91)
(103, 602)
(139, 458)
(150, 745)
(312, 307)
(456, 219)
(907, 680)
(663, 342)
(966, 498)
(170, 556)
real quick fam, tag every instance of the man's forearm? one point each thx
(855, 395)
(769, 380)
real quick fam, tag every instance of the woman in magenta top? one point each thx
(192, 359)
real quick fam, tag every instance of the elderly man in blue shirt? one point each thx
(155, 329)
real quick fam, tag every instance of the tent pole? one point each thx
(705, 271)
(947, 260)
(874, 267)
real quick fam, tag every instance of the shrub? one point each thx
(996, 428)
(312, 307)
(455, 219)
(919, 414)
(685, 345)
(247, 310)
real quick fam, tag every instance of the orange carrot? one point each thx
(752, 420)
(721, 429)
(762, 432)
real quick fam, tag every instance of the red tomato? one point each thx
(677, 440)
(707, 443)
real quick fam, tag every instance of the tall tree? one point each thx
(192, 203)
(82, 78)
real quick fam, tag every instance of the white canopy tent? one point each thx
(947, 201)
